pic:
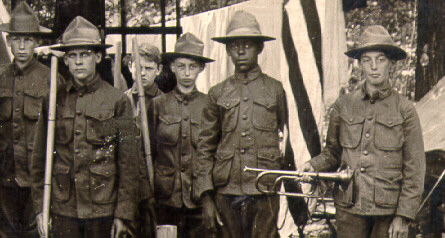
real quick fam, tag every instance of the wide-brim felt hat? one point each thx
(24, 21)
(188, 46)
(377, 38)
(80, 33)
(243, 25)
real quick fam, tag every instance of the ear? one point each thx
(173, 67)
(129, 65)
(260, 46)
(160, 68)
(202, 66)
(65, 59)
(98, 57)
(38, 41)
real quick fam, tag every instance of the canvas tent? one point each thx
(5, 53)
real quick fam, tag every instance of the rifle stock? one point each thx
(49, 146)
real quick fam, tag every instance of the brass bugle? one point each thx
(343, 176)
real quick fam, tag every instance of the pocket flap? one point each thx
(271, 154)
(164, 170)
(228, 103)
(100, 115)
(389, 121)
(33, 93)
(266, 102)
(389, 176)
(195, 121)
(168, 119)
(351, 120)
(5, 92)
(106, 169)
(61, 169)
(224, 155)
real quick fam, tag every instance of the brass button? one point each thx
(246, 99)
(183, 170)
(370, 118)
(244, 117)
(80, 94)
(243, 134)
(367, 135)
(362, 170)
(186, 118)
(17, 109)
(78, 113)
(365, 152)
(242, 151)
(77, 151)
(15, 125)
(184, 135)
(185, 103)
(246, 82)
(21, 77)
(350, 119)
(227, 104)
(77, 132)
(389, 122)
(18, 92)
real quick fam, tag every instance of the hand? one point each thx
(398, 228)
(307, 167)
(210, 214)
(120, 230)
(40, 227)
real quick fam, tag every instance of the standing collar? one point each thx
(92, 86)
(378, 94)
(149, 91)
(249, 76)
(185, 97)
(26, 69)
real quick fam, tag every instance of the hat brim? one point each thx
(71, 46)
(42, 30)
(391, 51)
(174, 55)
(227, 39)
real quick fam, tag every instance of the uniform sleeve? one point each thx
(38, 158)
(413, 168)
(329, 158)
(127, 160)
(283, 115)
(210, 135)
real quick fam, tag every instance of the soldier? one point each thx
(22, 85)
(240, 127)
(376, 132)
(174, 119)
(150, 62)
(93, 188)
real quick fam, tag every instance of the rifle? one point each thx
(49, 146)
(144, 122)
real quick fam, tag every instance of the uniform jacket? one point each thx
(21, 93)
(240, 127)
(175, 118)
(94, 164)
(382, 142)
(150, 93)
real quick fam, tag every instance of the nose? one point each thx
(373, 64)
(142, 71)
(22, 44)
(78, 59)
(187, 71)
(241, 49)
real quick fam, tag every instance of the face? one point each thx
(186, 71)
(376, 67)
(22, 47)
(244, 54)
(82, 63)
(149, 70)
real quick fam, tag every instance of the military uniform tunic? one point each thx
(94, 160)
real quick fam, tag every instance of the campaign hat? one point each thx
(24, 21)
(80, 33)
(377, 38)
(243, 25)
(188, 46)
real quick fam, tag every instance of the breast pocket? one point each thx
(264, 114)
(32, 104)
(61, 182)
(100, 126)
(168, 128)
(230, 110)
(5, 104)
(351, 128)
(389, 133)
(103, 181)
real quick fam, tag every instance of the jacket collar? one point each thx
(376, 95)
(88, 88)
(249, 76)
(149, 91)
(26, 69)
(185, 97)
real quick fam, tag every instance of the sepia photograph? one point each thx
(222, 118)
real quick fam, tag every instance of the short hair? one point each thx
(149, 52)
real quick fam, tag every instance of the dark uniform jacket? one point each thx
(150, 93)
(94, 160)
(21, 93)
(382, 142)
(174, 119)
(240, 127)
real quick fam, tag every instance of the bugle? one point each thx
(343, 176)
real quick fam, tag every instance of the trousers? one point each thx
(69, 227)
(357, 226)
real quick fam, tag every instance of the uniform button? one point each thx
(17, 109)
(80, 94)
(362, 170)
(185, 103)
(185, 118)
(246, 82)
(242, 151)
(246, 99)
(367, 135)
(389, 122)
(18, 92)
(183, 170)
(370, 118)
(15, 125)
(77, 132)
(243, 134)
(76, 151)
(78, 113)
(227, 104)
(350, 119)
(244, 117)
(365, 152)
(184, 135)
(21, 77)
